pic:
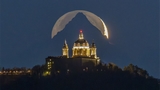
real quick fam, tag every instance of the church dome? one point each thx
(81, 41)
(81, 47)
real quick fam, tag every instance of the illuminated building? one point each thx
(84, 58)
(81, 47)
(65, 50)
(16, 71)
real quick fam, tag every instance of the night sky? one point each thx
(26, 25)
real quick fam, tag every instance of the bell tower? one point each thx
(93, 50)
(65, 49)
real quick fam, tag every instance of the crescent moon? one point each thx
(67, 17)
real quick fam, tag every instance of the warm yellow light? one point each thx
(49, 63)
(29, 71)
(80, 47)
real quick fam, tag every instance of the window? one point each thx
(58, 71)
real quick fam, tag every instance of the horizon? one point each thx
(133, 28)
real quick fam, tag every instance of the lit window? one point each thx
(28, 71)
(58, 71)
(47, 72)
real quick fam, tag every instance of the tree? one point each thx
(113, 67)
(36, 70)
(134, 69)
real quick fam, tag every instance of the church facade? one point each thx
(83, 58)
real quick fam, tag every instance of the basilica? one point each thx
(83, 58)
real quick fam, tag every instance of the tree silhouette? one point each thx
(136, 70)
(36, 70)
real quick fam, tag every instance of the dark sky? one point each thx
(133, 25)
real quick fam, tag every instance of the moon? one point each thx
(67, 17)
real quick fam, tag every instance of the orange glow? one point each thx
(81, 31)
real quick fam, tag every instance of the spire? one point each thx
(81, 35)
(65, 44)
(65, 49)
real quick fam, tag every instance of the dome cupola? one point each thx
(81, 42)
(81, 47)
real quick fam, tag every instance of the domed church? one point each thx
(81, 48)
(83, 58)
